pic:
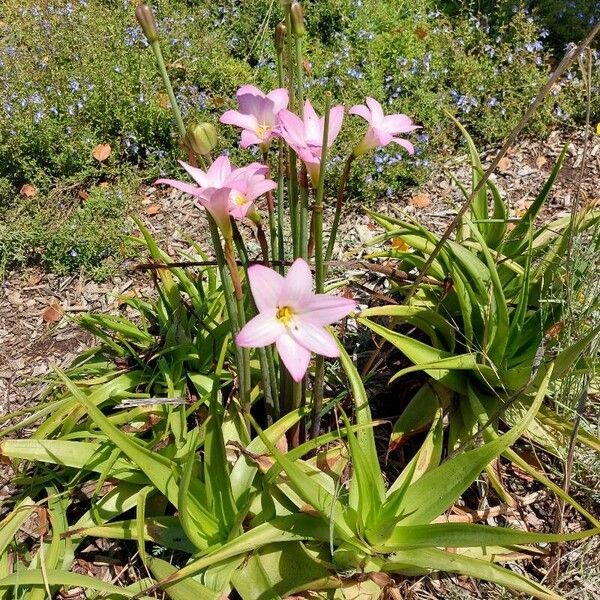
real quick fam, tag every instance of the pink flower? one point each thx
(292, 316)
(306, 136)
(257, 115)
(243, 186)
(382, 129)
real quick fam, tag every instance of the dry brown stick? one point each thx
(569, 58)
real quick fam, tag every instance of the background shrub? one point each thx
(77, 73)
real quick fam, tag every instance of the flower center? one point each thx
(238, 198)
(263, 130)
(285, 314)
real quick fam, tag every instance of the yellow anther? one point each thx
(285, 314)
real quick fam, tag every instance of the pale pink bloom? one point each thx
(305, 136)
(243, 185)
(292, 316)
(382, 129)
(257, 115)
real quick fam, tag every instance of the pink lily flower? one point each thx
(257, 115)
(382, 129)
(243, 185)
(292, 316)
(306, 136)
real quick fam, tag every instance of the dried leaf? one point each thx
(400, 245)
(28, 190)
(153, 209)
(420, 200)
(52, 313)
(504, 164)
(421, 33)
(101, 152)
(540, 161)
(83, 195)
(163, 100)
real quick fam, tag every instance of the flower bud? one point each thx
(201, 138)
(145, 17)
(297, 13)
(280, 32)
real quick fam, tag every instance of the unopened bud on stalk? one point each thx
(297, 13)
(280, 32)
(145, 17)
(201, 138)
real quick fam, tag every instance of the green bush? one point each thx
(76, 74)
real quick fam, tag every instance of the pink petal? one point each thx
(294, 356)
(336, 116)
(219, 171)
(239, 211)
(297, 287)
(280, 98)
(398, 124)
(405, 144)
(198, 175)
(382, 137)
(315, 338)
(249, 89)
(362, 111)
(291, 128)
(264, 329)
(249, 138)
(255, 190)
(313, 126)
(323, 309)
(218, 207)
(376, 112)
(188, 188)
(245, 121)
(266, 285)
(254, 104)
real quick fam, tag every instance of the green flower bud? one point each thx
(202, 138)
(298, 19)
(280, 32)
(145, 17)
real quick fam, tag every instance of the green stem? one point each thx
(303, 216)
(338, 207)
(271, 209)
(280, 195)
(160, 61)
(319, 382)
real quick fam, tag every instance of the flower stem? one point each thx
(271, 209)
(303, 226)
(160, 61)
(318, 385)
(338, 206)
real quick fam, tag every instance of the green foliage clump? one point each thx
(65, 233)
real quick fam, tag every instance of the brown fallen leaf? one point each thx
(28, 190)
(504, 164)
(420, 200)
(52, 313)
(83, 195)
(163, 100)
(421, 33)
(153, 209)
(101, 152)
(540, 161)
